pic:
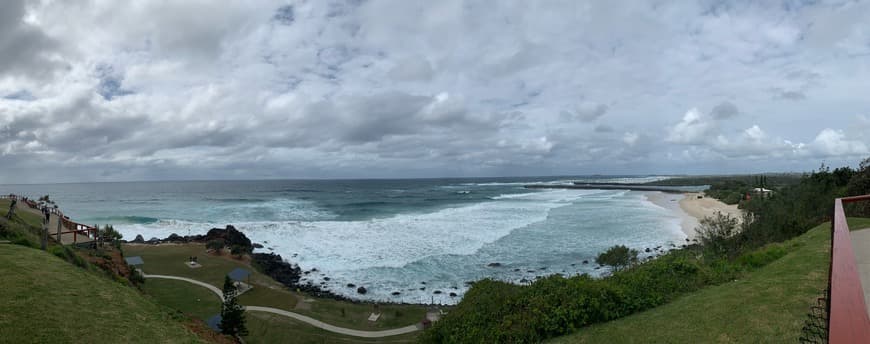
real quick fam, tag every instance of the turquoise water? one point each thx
(389, 235)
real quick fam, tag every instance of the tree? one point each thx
(109, 233)
(859, 184)
(11, 213)
(216, 244)
(715, 231)
(618, 257)
(232, 314)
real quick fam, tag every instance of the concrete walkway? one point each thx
(300, 317)
(861, 246)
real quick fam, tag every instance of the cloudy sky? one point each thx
(145, 90)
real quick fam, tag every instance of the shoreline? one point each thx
(691, 209)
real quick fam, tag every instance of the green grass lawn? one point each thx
(47, 300)
(193, 300)
(768, 305)
(858, 223)
(169, 260)
(270, 328)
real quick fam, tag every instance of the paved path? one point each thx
(861, 246)
(300, 317)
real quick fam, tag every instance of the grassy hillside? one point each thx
(28, 216)
(264, 328)
(768, 305)
(47, 300)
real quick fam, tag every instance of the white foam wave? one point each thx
(624, 180)
(387, 254)
(402, 239)
(565, 195)
(499, 184)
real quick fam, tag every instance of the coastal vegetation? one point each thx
(732, 189)
(617, 257)
(232, 314)
(766, 305)
(729, 250)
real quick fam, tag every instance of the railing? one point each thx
(848, 321)
(73, 227)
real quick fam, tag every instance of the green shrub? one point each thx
(23, 241)
(68, 254)
(618, 257)
(762, 257)
(215, 244)
(715, 234)
(136, 277)
(498, 312)
(58, 251)
(237, 250)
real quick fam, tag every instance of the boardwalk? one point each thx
(66, 237)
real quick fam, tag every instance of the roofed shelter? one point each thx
(240, 275)
(134, 261)
(241, 278)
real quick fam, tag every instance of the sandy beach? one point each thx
(691, 208)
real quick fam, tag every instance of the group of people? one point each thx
(46, 211)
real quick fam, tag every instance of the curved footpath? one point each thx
(300, 317)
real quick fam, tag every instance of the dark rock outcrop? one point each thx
(493, 265)
(274, 266)
(231, 236)
(361, 290)
(175, 238)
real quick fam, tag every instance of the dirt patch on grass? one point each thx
(202, 330)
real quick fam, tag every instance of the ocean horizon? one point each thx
(412, 236)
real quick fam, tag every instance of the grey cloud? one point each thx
(586, 111)
(284, 15)
(25, 50)
(415, 68)
(603, 128)
(24, 95)
(414, 88)
(791, 95)
(724, 110)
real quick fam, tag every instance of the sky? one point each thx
(158, 90)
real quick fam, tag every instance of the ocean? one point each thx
(391, 235)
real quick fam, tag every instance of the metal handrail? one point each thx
(848, 321)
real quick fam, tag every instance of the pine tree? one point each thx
(232, 314)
